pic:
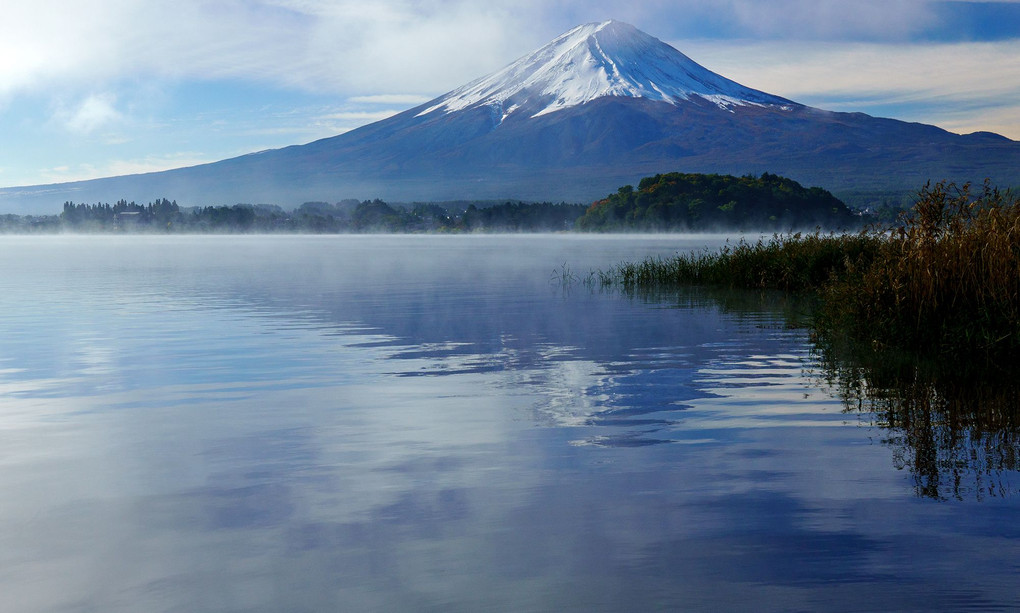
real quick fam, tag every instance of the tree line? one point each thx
(163, 215)
(664, 202)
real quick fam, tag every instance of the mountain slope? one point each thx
(601, 106)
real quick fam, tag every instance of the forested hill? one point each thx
(678, 201)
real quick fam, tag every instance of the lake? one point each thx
(455, 423)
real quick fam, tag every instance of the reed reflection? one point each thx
(955, 427)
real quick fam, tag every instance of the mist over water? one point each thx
(379, 423)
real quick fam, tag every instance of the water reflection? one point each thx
(954, 427)
(249, 424)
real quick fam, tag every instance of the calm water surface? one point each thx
(438, 424)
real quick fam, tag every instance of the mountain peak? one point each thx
(596, 60)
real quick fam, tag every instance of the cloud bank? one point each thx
(395, 46)
(963, 87)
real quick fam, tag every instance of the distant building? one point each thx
(127, 219)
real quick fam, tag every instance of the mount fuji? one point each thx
(598, 107)
(597, 60)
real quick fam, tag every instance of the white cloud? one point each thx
(357, 48)
(967, 82)
(340, 46)
(1001, 120)
(93, 113)
(45, 40)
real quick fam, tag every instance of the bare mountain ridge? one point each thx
(599, 107)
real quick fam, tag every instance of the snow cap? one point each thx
(595, 60)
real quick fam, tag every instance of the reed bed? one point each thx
(945, 278)
(794, 262)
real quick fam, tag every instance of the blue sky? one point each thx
(93, 88)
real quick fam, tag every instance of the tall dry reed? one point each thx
(946, 280)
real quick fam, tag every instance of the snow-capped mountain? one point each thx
(597, 108)
(597, 60)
